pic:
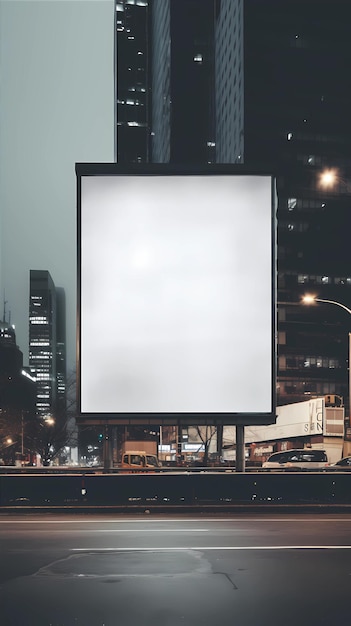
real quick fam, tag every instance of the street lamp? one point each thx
(310, 299)
(329, 178)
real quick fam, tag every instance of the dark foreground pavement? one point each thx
(153, 570)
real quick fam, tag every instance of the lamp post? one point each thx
(310, 299)
(22, 435)
(330, 178)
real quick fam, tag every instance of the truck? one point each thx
(139, 459)
(139, 455)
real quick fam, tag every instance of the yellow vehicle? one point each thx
(139, 459)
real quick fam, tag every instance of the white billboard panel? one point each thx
(176, 293)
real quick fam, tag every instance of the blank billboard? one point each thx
(176, 291)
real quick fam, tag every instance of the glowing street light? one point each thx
(311, 299)
(329, 178)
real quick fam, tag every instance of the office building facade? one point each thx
(164, 81)
(17, 386)
(132, 84)
(286, 107)
(182, 79)
(278, 98)
(47, 358)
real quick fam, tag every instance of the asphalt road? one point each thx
(147, 570)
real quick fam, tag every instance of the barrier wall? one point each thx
(150, 490)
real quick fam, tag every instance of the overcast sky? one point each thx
(56, 109)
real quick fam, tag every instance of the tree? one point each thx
(26, 434)
(206, 435)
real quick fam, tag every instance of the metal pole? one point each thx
(106, 451)
(309, 299)
(22, 438)
(219, 440)
(240, 449)
(160, 445)
(179, 444)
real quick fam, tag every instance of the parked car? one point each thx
(298, 459)
(343, 464)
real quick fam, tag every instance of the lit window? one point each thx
(325, 279)
(282, 338)
(289, 136)
(198, 58)
(292, 202)
(302, 278)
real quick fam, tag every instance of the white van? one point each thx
(305, 458)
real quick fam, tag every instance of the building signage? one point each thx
(293, 420)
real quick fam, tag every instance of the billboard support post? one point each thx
(179, 444)
(240, 449)
(106, 451)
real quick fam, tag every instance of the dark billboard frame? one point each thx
(216, 419)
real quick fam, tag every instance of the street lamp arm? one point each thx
(333, 302)
(309, 299)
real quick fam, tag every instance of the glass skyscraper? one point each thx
(267, 84)
(47, 360)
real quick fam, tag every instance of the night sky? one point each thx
(57, 95)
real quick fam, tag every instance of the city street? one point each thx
(243, 569)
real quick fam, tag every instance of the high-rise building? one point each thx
(47, 360)
(132, 85)
(17, 399)
(267, 84)
(182, 94)
(17, 386)
(164, 81)
(61, 372)
(283, 96)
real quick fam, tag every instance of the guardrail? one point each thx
(169, 489)
(11, 469)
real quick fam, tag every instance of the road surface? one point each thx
(166, 570)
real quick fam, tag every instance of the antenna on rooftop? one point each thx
(5, 303)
